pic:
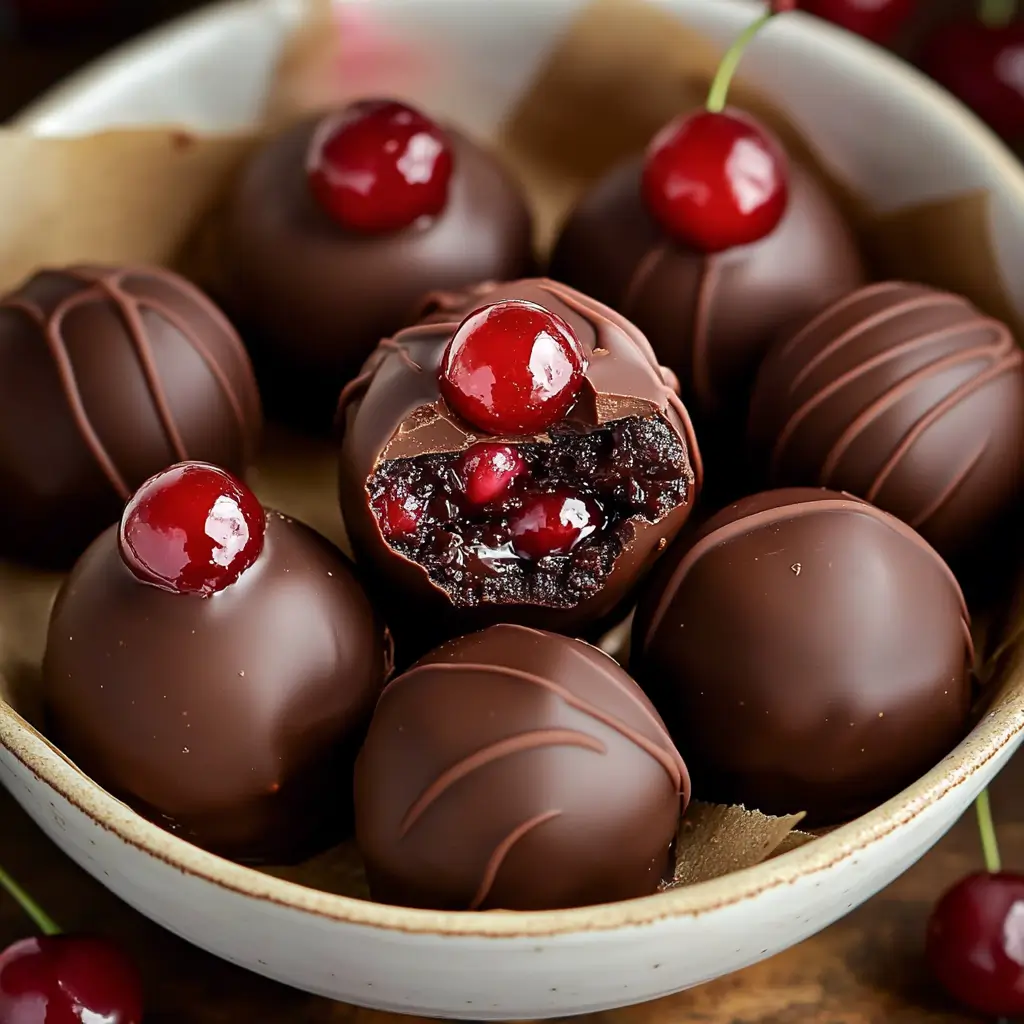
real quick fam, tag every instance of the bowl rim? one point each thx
(1000, 729)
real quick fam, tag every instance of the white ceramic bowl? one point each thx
(894, 136)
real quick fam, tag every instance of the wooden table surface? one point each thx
(867, 969)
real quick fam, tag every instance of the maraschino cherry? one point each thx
(717, 179)
(512, 367)
(65, 979)
(982, 63)
(379, 166)
(877, 20)
(192, 529)
(487, 471)
(975, 943)
(553, 524)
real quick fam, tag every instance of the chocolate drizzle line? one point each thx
(501, 851)
(784, 513)
(106, 286)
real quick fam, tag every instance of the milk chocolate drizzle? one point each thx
(105, 285)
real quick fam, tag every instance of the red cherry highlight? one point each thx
(192, 529)
(398, 513)
(512, 367)
(716, 180)
(68, 979)
(553, 524)
(487, 471)
(877, 20)
(379, 166)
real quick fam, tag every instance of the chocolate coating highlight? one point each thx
(231, 720)
(516, 769)
(808, 652)
(906, 396)
(108, 375)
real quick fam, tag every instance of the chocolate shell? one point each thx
(906, 396)
(231, 720)
(108, 375)
(314, 299)
(626, 420)
(808, 652)
(520, 770)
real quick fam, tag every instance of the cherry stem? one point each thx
(987, 829)
(997, 13)
(730, 62)
(40, 918)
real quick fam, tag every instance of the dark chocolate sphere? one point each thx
(106, 377)
(231, 720)
(314, 298)
(906, 396)
(520, 770)
(808, 652)
(709, 318)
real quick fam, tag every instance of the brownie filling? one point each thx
(538, 524)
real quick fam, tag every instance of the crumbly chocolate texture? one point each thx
(232, 721)
(520, 770)
(313, 299)
(906, 396)
(395, 422)
(808, 652)
(107, 376)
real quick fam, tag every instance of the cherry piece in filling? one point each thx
(379, 166)
(487, 471)
(398, 513)
(553, 524)
(717, 179)
(192, 529)
(512, 368)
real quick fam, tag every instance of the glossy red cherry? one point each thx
(192, 529)
(378, 166)
(512, 368)
(877, 20)
(398, 513)
(68, 979)
(716, 180)
(984, 67)
(553, 524)
(975, 943)
(487, 471)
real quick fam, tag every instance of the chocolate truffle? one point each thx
(227, 712)
(519, 770)
(710, 318)
(906, 396)
(108, 375)
(622, 468)
(316, 284)
(808, 652)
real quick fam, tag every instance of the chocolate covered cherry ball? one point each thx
(520, 770)
(214, 665)
(808, 652)
(341, 224)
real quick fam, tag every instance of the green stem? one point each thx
(40, 918)
(997, 13)
(989, 846)
(730, 62)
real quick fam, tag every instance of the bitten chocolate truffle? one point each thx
(709, 316)
(340, 225)
(461, 526)
(215, 666)
(906, 396)
(108, 375)
(519, 770)
(808, 652)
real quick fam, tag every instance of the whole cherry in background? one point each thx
(717, 178)
(65, 979)
(975, 940)
(877, 20)
(981, 61)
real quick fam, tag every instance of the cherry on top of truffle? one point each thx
(379, 166)
(717, 179)
(191, 529)
(512, 367)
